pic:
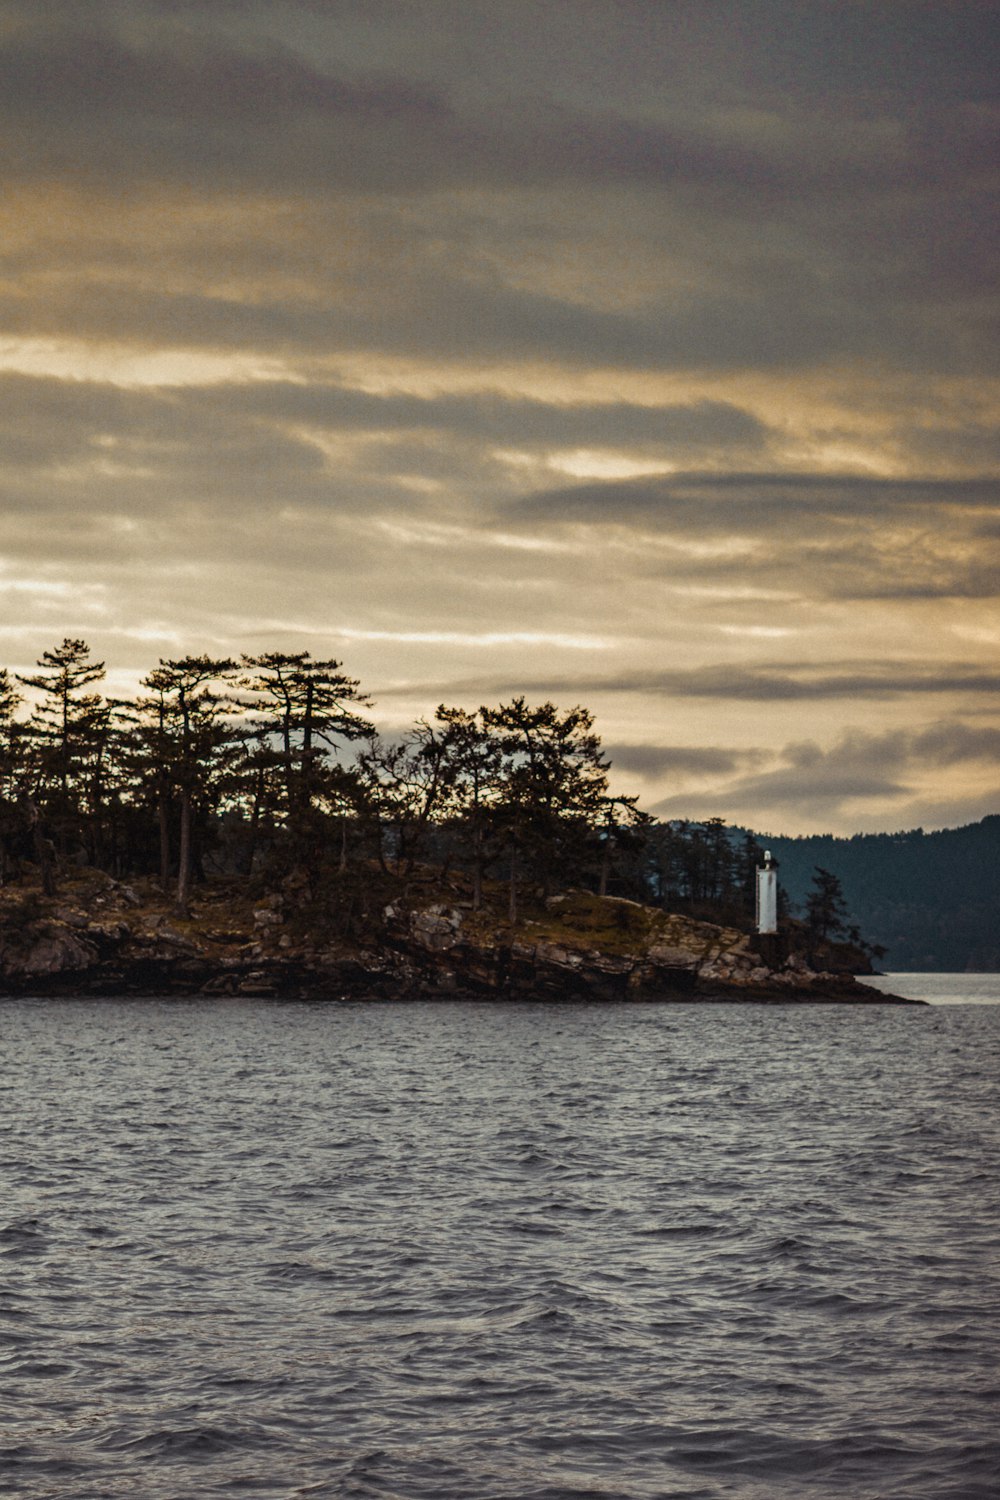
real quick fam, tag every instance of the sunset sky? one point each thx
(634, 353)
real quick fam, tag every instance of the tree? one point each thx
(476, 762)
(303, 709)
(826, 910)
(665, 843)
(186, 730)
(10, 700)
(705, 862)
(69, 729)
(65, 712)
(621, 830)
(406, 785)
(252, 790)
(553, 783)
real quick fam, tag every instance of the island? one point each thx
(242, 828)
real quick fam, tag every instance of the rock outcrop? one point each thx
(605, 949)
(105, 938)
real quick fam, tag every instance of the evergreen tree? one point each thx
(406, 786)
(10, 700)
(620, 831)
(554, 782)
(187, 729)
(826, 910)
(302, 710)
(476, 767)
(68, 730)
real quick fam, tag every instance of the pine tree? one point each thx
(826, 910)
(68, 730)
(554, 781)
(10, 700)
(476, 761)
(406, 786)
(187, 729)
(303, 709)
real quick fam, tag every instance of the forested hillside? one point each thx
(932, 900)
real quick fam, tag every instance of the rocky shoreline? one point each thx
(106, 938)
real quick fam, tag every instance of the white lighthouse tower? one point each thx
(767, 894)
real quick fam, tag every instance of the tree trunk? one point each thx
(380, 845)
(477, 868)
(258, 798)
(163, 814)
(42, 847)
(184, 853)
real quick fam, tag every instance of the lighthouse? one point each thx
(767, 894)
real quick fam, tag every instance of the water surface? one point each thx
(941, 989)
(498, 1252)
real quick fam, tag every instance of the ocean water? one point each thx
(498, 1252)
(941, 989)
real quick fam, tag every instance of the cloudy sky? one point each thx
(638, 353)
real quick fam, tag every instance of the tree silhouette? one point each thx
(10, 734)
(554, 780)
(188, 728)
(406, 784)
(476, 761)
(302, 709)
(826, 910)
(68, 731)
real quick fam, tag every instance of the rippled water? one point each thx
(470, 1252)
(941, 989)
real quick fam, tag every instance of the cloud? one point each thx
(768, 231)
(784, 682)
(347, 322)
(81, 408)
(266, 449)
(89, 73)
(656, 761)
(949, 744)
(204, 78)
(851, 536)
(704, 426)
(758, 500)
(859, 768)
(463, 312)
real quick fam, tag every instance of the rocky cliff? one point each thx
(103, 937)
(588, 947)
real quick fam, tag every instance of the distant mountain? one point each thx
(932, 900)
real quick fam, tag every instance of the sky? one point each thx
(641, 354)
